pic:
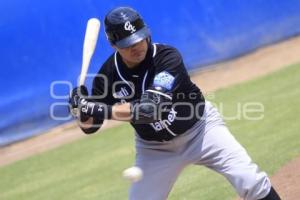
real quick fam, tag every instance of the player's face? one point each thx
(134, 54)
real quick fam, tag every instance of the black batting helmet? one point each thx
(125, 27)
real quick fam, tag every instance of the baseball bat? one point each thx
(89, 44)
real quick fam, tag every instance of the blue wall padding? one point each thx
(41, 42)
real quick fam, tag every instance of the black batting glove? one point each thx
(83, 108)
(94, 109)
(76, 94)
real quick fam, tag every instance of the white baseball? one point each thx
(133, 174)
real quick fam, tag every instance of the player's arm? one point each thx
(104, 101)
(80, 101)
(77, 99)
(92, 110)
(158, 98)
(148, 109)
(91, 113)
(153, 103)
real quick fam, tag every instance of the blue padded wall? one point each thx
(41, 42)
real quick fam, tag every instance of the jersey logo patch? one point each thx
(164, 79)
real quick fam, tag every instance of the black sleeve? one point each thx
(170, 71)
(167, 78)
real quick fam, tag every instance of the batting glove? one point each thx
(76, 94)
(94, 109)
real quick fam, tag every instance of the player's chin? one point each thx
(138, 59)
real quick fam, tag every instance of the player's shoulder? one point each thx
(167, 52)
(166, 49)
(167, 55)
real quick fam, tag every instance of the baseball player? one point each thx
(147, 85)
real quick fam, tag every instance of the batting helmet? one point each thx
(125, 27)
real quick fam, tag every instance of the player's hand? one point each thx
(76, 94)
(74, 100)
(94, 109)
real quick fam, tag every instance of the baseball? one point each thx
(133, 174)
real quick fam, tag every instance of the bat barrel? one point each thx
(90, 41)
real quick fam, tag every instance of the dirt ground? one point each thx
(287, 180)
(255, 64)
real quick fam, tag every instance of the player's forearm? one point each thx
(146, 111)
(121, 112)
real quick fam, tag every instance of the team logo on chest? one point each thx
(129, 27)
(164, 124)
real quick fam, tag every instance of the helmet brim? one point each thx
(134, 38)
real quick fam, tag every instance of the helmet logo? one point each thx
(129, 27)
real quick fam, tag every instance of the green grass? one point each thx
(91, 168)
